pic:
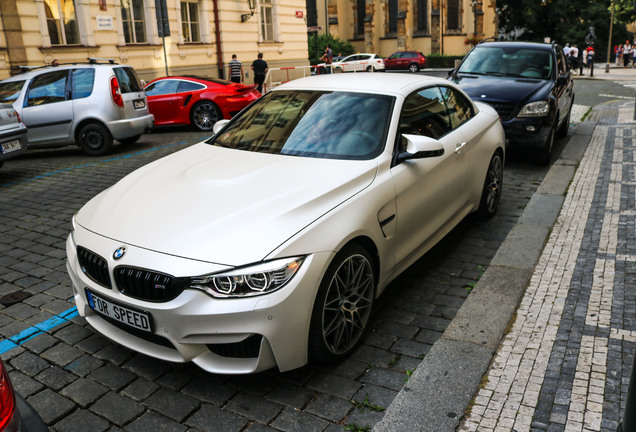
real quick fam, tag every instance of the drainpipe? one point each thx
(217, 33)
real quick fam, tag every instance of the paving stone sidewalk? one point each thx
(565, 363)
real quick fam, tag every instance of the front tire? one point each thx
(493, 187)
(204, 114)
(545, 156)
(95, 140)
(343, 305)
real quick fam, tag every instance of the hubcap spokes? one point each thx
(348, 304)
(493, 188)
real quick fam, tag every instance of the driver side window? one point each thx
(424, 113)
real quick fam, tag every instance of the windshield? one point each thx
(9, 91)
(507, 61)
(320, 124)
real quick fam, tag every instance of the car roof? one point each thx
(30, 73)
(379, 83)
(518, 44)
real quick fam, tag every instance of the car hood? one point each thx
(223, 206)
(503, 89)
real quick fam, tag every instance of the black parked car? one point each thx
(529, 84)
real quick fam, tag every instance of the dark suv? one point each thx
(529, 84)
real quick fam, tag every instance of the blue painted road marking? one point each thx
(31, 332)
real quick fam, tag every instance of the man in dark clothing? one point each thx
(259, 66)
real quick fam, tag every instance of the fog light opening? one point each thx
(531, 128)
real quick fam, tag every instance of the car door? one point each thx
(48, 109)
(363, 62)
(564, 88)
(163, 99)
(430, 191)
(350, 63)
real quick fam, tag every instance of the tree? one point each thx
(566, 21)
(318, 42)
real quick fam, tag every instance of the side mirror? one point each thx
(219, 125)
(451, 72)
(420, 147)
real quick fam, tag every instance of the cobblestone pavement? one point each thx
(566, 361)
(80, 381)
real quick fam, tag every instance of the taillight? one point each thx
(7, 401)
(115, 92)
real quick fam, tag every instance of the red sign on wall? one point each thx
(299, 14)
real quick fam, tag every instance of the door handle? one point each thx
(459, 146)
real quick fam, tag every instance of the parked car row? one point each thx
(412, 61)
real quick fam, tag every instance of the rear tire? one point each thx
(370, 69)
(493, 188)
(204, 114)
(343, 305)
(414, 67)
(94, 139)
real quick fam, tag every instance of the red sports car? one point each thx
(184, 100)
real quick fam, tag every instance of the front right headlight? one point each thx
(535, 109)
(259, 279)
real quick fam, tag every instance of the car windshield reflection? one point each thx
(318, 124)
(509, 62)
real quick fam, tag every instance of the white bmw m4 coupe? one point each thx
(266, 245)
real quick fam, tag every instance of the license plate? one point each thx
(139, 104)
(123, 314)
(10, 146)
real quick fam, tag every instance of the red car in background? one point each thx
(412, 61)
(197, 101)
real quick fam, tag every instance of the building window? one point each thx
(361, 12)
(61, 22)
(132, 18)
(452, 15)
(190, 21)
(421, 16)
(391, 24)
(267, 21)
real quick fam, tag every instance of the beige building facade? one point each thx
(203, 34)
(429, 26)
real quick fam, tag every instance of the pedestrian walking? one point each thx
(618, 53)
(627, 53)
(574, 58)
(589, 55)
(260, 68)
(327, 57)
(235, 70)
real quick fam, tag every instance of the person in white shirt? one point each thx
(573, 57)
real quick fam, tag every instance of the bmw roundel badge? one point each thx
(119, 252)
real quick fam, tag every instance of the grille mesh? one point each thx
(148, 285)
(505, 110)
(249, 348)
(94, 266)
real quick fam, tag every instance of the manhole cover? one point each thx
(13, 298)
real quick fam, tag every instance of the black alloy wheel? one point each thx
(493, 187)
(204, 114)
(95, 139)
(343, 305)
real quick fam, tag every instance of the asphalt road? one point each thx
(79, 380)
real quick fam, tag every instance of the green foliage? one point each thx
(567, 21)
(441, 61)
(355, 428)
(318, 42)
(366, 404)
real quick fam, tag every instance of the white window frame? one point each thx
(82, 17)
(189, 20)
(205, 32)
(274, 7)
(145, 21)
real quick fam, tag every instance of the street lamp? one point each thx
(252, 6)
(476, 11)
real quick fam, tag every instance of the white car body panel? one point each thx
(208, 209)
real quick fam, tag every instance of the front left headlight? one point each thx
(259, 279)
(535, 109)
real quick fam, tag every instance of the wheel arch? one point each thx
(84, 122)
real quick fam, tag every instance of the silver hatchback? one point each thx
(13, 133)
(88, 104)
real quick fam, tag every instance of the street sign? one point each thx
(314, 28)
(299, 14)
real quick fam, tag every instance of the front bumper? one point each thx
(527, 133)
(213, 333)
